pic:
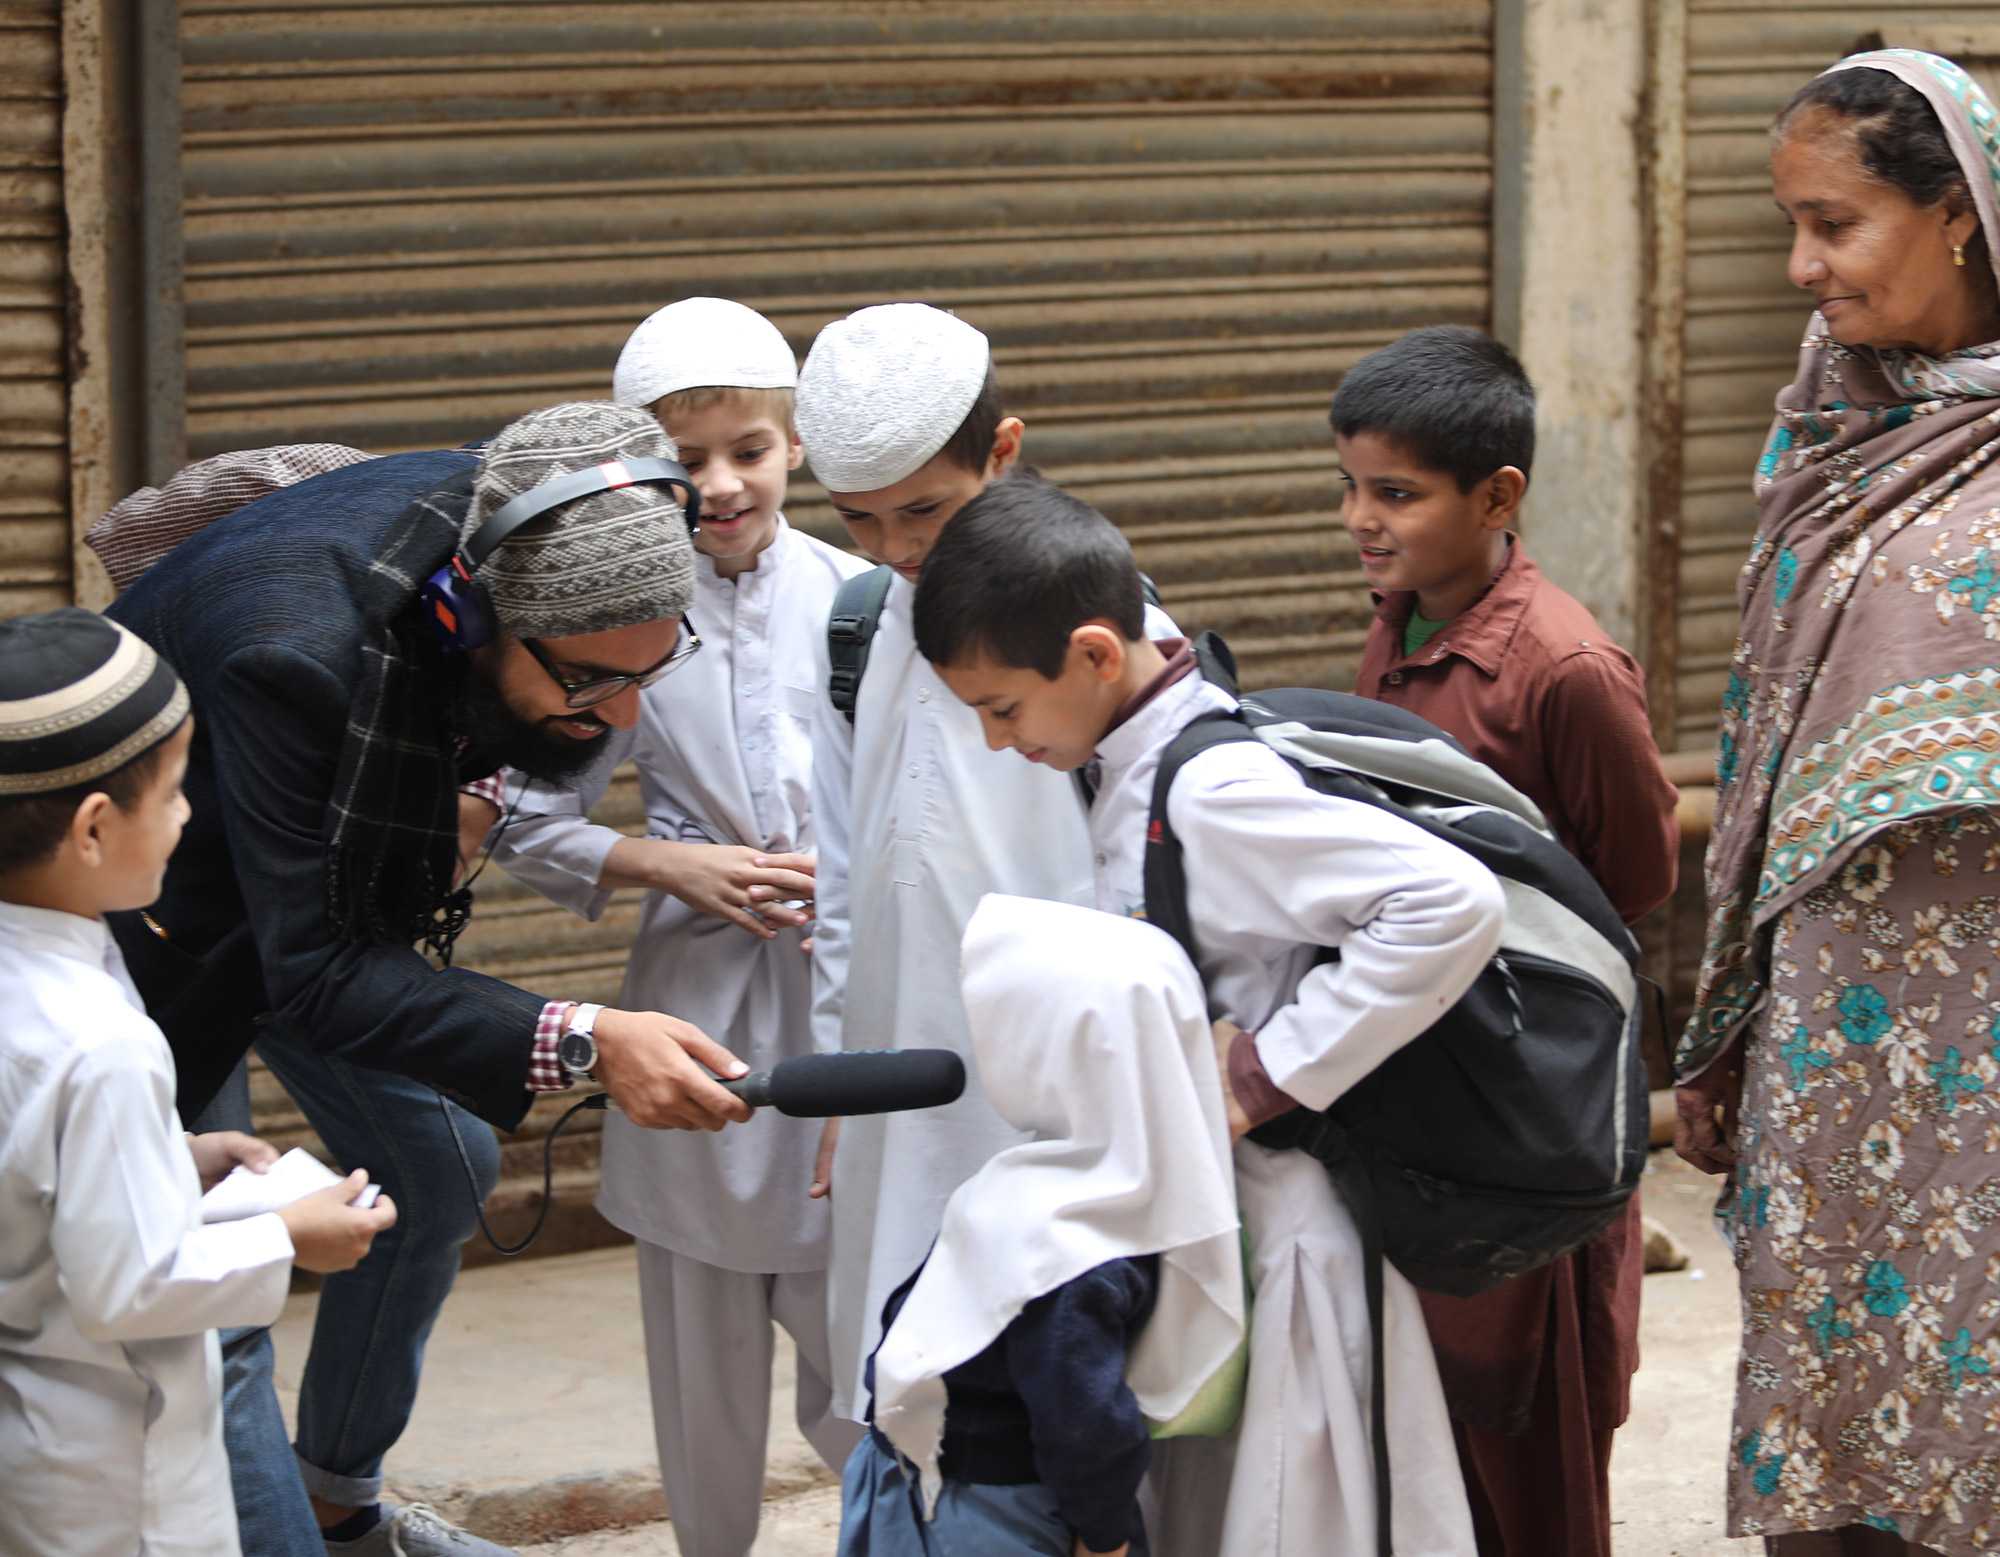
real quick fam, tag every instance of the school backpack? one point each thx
(1514, 1128)
(851, 624)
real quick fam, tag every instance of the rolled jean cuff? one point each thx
(345, 1491)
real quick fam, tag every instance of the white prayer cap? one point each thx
(701, 342)
(883, 390)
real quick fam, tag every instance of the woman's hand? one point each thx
(1705, 1112)
(217, 1153)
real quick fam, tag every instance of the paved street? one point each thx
(534, 1423)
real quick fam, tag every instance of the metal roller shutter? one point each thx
(1744, 320)
(34, 403)
(1179, 223)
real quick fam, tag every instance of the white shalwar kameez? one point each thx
(917, 821)
(110, 1286)
(728, 1240)
(1276, 871)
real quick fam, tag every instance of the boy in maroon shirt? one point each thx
(1436, 435)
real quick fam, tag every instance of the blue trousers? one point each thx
(360, 1377)
(881, 1514)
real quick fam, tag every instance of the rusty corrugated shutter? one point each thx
(1744, 320)
(1178, 222)
(34, 403)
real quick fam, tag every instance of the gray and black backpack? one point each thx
(1514, 1128)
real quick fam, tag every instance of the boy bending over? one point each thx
(110, 1284)
(1028, 610)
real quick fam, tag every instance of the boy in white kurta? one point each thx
(900, 415)
(1022, 610)
(728, 1241)
(110, 1285)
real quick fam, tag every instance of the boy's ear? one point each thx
(86, 827)
(797, 456)
(1102, 648)
(1006, 446)
(1504, 490)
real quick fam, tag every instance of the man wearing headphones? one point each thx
(356, 647)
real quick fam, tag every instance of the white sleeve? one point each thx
(133, 1268)
(551, 845)
(1267, 859)
(832, 803)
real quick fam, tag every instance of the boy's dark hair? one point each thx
(972, 445)
(1897, 132)
(32, 826)
(1020, 568)
(1453, 396)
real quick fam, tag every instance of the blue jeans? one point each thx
(360, 1379)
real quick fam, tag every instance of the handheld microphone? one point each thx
(876, 1081)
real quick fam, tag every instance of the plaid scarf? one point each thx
(392, 821)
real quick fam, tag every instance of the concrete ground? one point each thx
(534, 1427)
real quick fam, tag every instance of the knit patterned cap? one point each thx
(612, 559)
(80, 697)
(883, 390)
(701, 342)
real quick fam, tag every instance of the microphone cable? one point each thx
(596, 1100)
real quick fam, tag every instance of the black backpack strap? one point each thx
(850, 628)
(1149, 592)
(1368, 1222)
(1165, 867)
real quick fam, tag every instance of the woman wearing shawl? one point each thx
(1085, 1282)
(1841, 1061)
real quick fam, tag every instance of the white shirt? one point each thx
(1275, 871)
(724, 752)
(917, 821)
(110, 1286)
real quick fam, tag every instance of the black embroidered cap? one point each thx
(80, 697)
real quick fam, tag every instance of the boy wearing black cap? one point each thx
(110, 1284)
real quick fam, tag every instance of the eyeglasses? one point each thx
(601, 689)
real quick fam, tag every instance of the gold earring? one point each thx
(1958, 255)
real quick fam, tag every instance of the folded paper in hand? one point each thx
(244, 1193)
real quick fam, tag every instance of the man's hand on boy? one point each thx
(653, 1067)
(745, 886)
(1226, 1033)
(217, 1152)
(329, 1232)
(1085, 1551)
(822, 1183)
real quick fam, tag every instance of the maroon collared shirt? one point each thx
(1528, 682)
(1531, 685)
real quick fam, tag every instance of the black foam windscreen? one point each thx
(818, 1086)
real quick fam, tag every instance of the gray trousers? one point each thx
(709, 1349)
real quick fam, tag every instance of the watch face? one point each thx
(577, 1051)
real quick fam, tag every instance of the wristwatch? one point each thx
(577, 1049)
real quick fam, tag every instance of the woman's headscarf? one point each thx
(1865, 686)
(1091, 1032)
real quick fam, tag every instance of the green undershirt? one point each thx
(1419, 631)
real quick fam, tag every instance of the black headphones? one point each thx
(458, 605)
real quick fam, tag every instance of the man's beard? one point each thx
(496, 734)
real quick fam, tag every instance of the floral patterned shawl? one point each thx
(1865, 686)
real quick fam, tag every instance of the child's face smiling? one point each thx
(739, 461)
(1416, 530)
